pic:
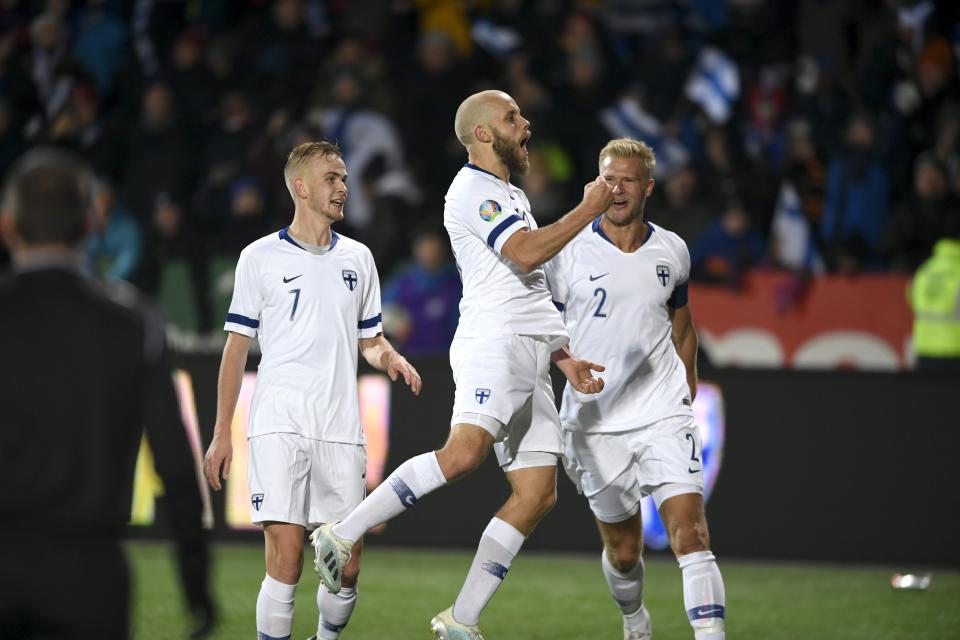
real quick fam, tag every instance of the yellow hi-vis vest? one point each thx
(934, 295)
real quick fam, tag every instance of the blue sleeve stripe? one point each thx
(679, 296)
(560, 306)
(236, 318)
(370, 323)
(500, 228)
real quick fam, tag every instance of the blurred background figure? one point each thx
(727, 249)
(934, 295)
(113, 244)
(421, 301)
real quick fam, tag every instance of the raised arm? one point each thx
(220, 453)
(530, 249)
(380, 354)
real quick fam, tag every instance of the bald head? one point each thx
(477, 110)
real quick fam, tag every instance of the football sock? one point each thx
(703, 595)
(412, 480)
(499, 545)
(626, 587)
(275, 610)
(335, 610)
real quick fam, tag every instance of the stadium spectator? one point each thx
(79, 451)
(423, 298)
(727, 249)
(100, 41)
(934, 295)
(113, 243)
(856, 202)
(509, 326)
(923, 218)
(307, 460)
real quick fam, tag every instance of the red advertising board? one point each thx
(828, 322)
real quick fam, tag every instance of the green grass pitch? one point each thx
(561, 597)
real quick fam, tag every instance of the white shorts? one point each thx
(506, 379)
(616, 470)
(302, 481)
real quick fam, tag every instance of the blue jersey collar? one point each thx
(599, 231)
(285, 235)
(470, 165)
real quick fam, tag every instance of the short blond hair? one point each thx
(303, 154)
(626, 148)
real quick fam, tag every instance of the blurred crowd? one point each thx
(816, 136)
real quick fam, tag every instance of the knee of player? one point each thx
(540, 502)
(456, 463)
(351, 574)
(690, 538)
(285, 567)
(625, 555)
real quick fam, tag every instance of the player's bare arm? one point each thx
(685, 341)
(578, 371)
(530, 249)
(381, 355)
(220, 453)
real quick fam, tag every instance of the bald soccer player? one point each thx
(509, 331)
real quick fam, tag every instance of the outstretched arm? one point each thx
(579, 372)
(530, 249)
(381, 355)
(685, 341)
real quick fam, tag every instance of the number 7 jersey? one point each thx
(310, 311)
(616, 306)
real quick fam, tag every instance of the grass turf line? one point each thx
(560, 597)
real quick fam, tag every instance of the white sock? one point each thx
(412, 480)
(499, 545)
(703, 595)
(335, 610)
(626, 588)
(275, 610)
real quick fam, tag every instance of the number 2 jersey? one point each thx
(310, 311)
(616, 307)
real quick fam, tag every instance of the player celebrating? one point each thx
(312, 295)
(500, 358)
(622, 285)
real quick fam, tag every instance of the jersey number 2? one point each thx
(598, 312)
(296, 301)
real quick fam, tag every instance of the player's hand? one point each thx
(580, 374)
(597, 195)
(219, 456)
(398, 366)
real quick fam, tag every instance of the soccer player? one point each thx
(313, 296)
(509, 331)
(622, 285)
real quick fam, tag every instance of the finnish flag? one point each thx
(714, 84)
(790, 232)
(625, 119)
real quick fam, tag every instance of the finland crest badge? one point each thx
(350, 278)
(256, 500)
(663, 273)
(482, 395)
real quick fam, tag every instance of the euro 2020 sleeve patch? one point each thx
(489, 210)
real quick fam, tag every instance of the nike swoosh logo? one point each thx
(286, 280)
(592, 278)
(693, 470)
(706, 612)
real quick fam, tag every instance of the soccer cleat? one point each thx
(636, 626)
(331, 554)
(444, 627)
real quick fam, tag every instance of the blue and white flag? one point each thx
(714, 84)
(625, 119)
(790, 233)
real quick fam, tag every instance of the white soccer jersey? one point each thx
(481, 213)
(310, 312)
(615, 305)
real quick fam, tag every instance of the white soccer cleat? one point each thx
(331, 553)
(444, 627)
(636, 626)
